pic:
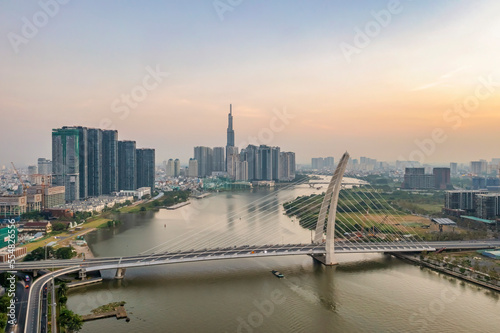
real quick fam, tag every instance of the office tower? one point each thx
(127, 177)
(145, 159)
(94, 163)
(44, 166)
(453, 169)
(266, 162)
(66, 158)
(219, 164)
(32, 169)
(177, 168)
(204, 156)
(442, 180)
(230, 140)
(230, 131)
(193, 168)
(109, 161)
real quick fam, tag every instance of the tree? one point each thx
(70, 320)
(39, 253)
(3, 321)
(61, 293)
(58, 226)
(65, 253)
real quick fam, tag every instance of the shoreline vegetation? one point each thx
(105, 219)
(361, 212)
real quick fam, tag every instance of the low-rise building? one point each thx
(43, 226)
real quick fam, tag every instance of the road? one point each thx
(33, 320)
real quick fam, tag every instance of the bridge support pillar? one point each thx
(82, 274)
(120, 273)
(328, 212)
(35, 273)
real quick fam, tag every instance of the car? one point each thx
(26, 286)
(27, 278)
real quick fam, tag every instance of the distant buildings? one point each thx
(442, 178)
(193, 168)
(417, 179)
(44, 166)
(253, 163)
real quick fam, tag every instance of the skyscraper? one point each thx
(266, 163)
(204, 156)
(230, 142)
(127, 177)
(145, 168)
(230, 131)
(94, 164)
(109, 161)
(177, 167)
(66, 158)
(193, 168)
(219, 159)
(82, 159)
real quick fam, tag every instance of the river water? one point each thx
(365, 293)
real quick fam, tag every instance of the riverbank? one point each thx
(420, 262)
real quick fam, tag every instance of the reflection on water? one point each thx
(365, 293)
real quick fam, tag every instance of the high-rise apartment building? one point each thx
(66, 161)
(44, 166)
(145, 169)
(219, 159)
(193, 168)
(204, 156)
(177, 167)
(127, 173)
(94, 164)
(109, 161)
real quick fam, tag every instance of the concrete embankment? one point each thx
(417, 261)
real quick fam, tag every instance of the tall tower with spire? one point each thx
(230, 131)
(231, 150)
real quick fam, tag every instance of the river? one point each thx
(365, 293)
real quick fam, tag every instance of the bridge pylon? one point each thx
(329, 207)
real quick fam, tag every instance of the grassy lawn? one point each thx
(93, 223)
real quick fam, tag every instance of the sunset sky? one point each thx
(405, 78)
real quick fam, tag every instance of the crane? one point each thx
(20, 179)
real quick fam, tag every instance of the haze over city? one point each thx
(373, 95)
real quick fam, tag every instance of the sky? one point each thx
(391, 80)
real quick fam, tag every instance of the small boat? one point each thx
(277, 274)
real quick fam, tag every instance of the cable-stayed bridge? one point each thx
(362, 222)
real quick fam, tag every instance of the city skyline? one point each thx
(306, 60)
